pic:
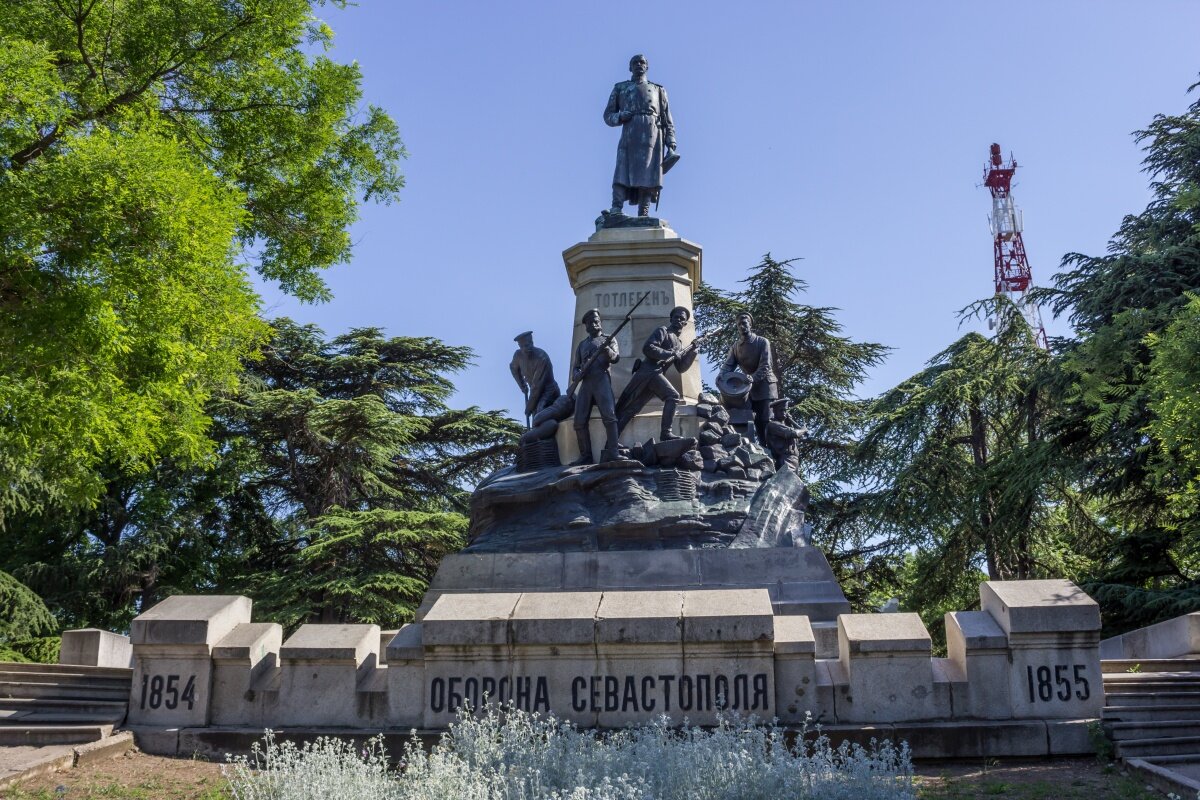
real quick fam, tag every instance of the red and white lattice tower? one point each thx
(1013, 276)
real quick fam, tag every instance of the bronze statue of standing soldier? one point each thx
(647, 147)
(589, 369)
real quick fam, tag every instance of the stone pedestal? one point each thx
(611, 271)
(796, 672)
(1053, 632)
(978, 646)
(406, 677)
(554, 638)
(468, 656)
(243, 663)
(172, 651)
(728, 640)
(889, 670)
(322, 668)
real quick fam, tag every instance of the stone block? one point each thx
(975, 642)
(639, 650)
(887, 658)
(527, 571)
(406, 678)
(657, 569)
(727, 615)
(826, 634)
(1044, 606)
(1070, 737)
(320, 670)
(640, 617)
(91, 647)
(1169, 639)
(190, 620)
(385, 638)
(796, 671)
(240, 660)
(172, 651)
(832, 684)
(459, 677)
(974, 738)
(155, 740)
(1053, 633)
(555, 618)
(469, 619)
(458, 571)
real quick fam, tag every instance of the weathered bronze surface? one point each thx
(751, 354)
(647, 147)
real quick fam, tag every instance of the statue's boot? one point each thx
(585, 449)
(668, 419)
(610, 443)
(644, 208)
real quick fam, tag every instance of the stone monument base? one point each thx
(798, 580)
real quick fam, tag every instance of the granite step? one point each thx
(61, 691)
(64, 678)
(43, 735)
(1152, 729)
(118, 673)
(1134, 713)
(1131, 687)
(1164, 676)
(1144, 665)
(98, 711)
(1152, 698)
(1160, 746)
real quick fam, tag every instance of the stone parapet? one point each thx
(90, 647)
(613, 657)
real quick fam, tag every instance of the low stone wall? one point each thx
(1025, 666)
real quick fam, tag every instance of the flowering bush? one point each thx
(513, 755)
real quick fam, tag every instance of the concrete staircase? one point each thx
(53, 704)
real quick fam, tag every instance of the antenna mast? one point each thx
(1013, 275)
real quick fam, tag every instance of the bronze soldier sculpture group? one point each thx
(645, 153)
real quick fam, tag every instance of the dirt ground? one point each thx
(137, 776)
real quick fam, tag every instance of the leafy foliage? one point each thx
(146, 147)
(337, 486)
(1123, 388)
(22, 613)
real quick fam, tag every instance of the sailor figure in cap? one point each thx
(782, 439)
(752, 354)
(532, 371)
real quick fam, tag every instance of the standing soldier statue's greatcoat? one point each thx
(647, 148)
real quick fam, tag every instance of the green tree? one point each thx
(151, 150)
(337, 486)
(954, 466)
(1121, 393)
(819, 369)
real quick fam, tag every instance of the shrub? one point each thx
(43, 650)
(513, 755)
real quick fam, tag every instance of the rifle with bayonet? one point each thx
(603, 346)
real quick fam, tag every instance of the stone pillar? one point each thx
(796, 672)
(888, 662)
(244, 661)
(172, 655)
(1053, 632)
(610, 271)
(728, 650)
(321, 668)
(639, 650)
(979, 648)
(406, 678)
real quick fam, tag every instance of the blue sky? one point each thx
(850, 134)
